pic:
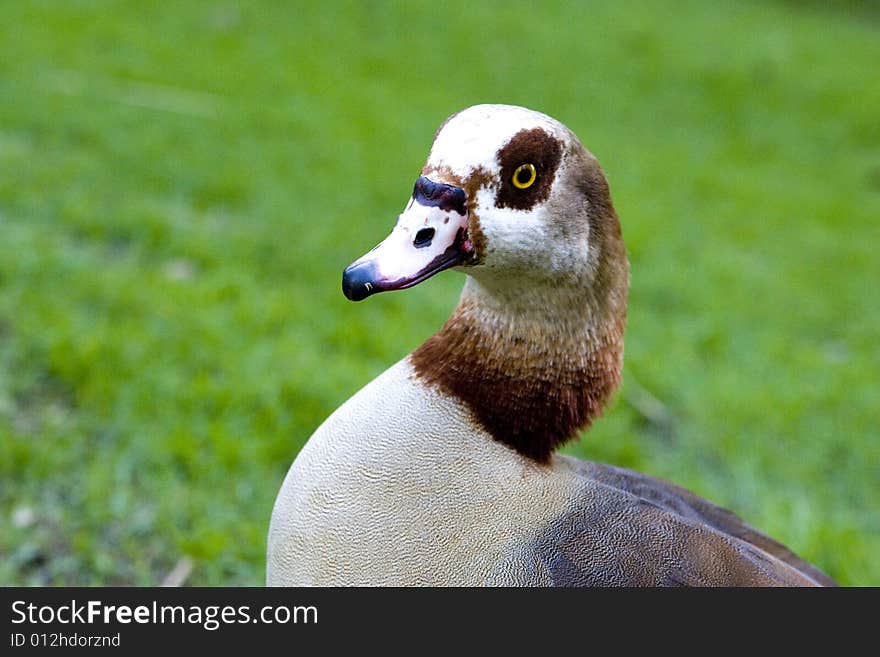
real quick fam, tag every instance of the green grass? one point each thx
(181, 186)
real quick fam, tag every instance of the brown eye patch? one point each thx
(534, 147)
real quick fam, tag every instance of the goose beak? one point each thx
(430, 236)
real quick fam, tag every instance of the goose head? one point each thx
(512, 198)
(508, 195)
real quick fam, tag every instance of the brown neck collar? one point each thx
(530, 379)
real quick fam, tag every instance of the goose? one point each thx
(443, 470)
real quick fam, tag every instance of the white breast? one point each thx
(399, 487)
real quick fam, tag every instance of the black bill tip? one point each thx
(359, 281)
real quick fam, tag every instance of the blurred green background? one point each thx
(182, 184)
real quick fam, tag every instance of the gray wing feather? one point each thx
(635, 530)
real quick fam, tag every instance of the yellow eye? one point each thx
(524, 176)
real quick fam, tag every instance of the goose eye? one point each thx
(524, 176)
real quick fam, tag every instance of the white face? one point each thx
(521, 241)
(472, 138)
(487, 201)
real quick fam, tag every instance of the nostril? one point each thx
(423, 237)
